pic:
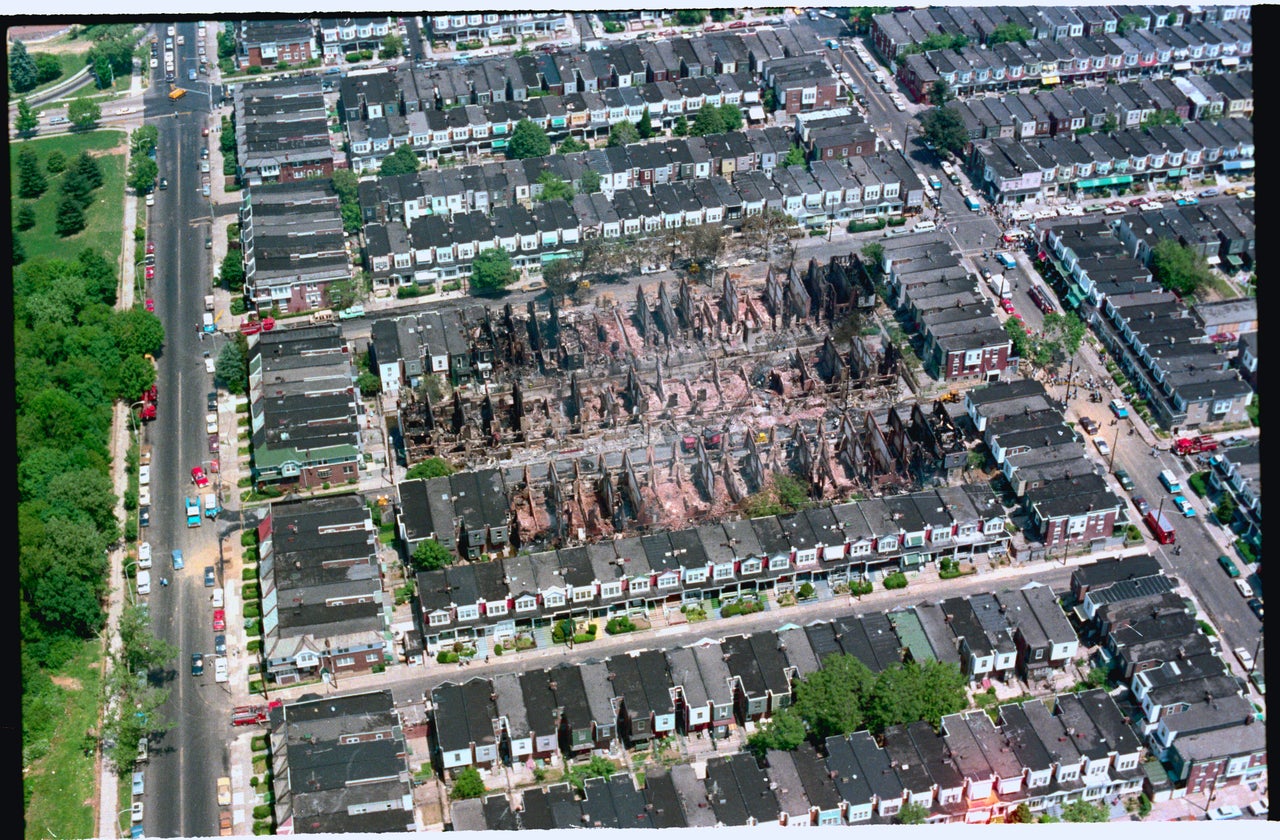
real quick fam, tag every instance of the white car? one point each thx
(899, 104)
(208, 363)
(1245, 589)
(144, 475)
(144, 496)
(896, 144)
(1246, 658)
(1151, 205)
(211, 423)
(144, 583)
(217, 599)
(220, 669)
(1102, 446)
(135, 812)
(144, 555)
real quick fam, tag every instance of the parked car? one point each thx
(1209, 193)
(220, 644)
(135, 811)
(1181, 503)
(219, 619)
(1225, 812)
(1245, 589)
(198, 476)
(1007, 305)
(1102, 446)
(1255, 604)
(197, 664)
(1113, 209)
(144, 516)
(151, 247)
(1142, 505)
(1228, 566)
(211, 423)
(224, 790)
(150, 305)
(176, 557)
(1119, 409)
(144, 555)
(208, 576)
(139, 785)
(211, 401)
(1126, 483)
(1246, 658)
(220, 669)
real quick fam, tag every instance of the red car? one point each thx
(1134, 202)
(219, 619)
(150, 305)
(151, 272)
(1007, 305)
(151, 247)
(198, 476)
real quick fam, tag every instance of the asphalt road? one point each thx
(185, 763)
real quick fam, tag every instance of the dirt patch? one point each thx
(69, 683)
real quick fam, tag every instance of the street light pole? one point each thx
(1114, 446)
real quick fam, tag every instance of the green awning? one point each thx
(1234, 261)
(1175, 173)
(1074, 297)
(1105, 182)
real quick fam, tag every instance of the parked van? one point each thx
(1021, 215)
(144, 583)
(322, 316)
(1170, 481)
(218, 599)
(925, 226)
(207, 323)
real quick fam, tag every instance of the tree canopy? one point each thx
(31, 180)
(491, 271)
(784, 731)
(468, 785)
(1179, 268)
(430, 468)
(22, 68)
(795, 156)
(1080, 811)
(430, 555)
(1007, 32)
(84, 113)
(27, 118)
(553, 187)
(142, 173)
(569, 145)
(399, 162)
(528, 140)
(623, 133)
(945, 128)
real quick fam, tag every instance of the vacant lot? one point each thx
(103, 218)
(58, 776)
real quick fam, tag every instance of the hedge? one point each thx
(897, 580)
(251, 610)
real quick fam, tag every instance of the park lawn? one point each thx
(103, 218)
(62, 783)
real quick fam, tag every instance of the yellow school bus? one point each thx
(177, 93)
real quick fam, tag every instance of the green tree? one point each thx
(1020, 815)
(392, 46)
(784, 731)
(1067, 329)
(680, 128)
(141, 650)
(553, 187)
(25, 218)
(226, 44)
(589, 182)
(623, 133)
(19, 251)
(690, 17)
(569, 145)
(48, 67)
(84, 113)
(597, 767)
(770, 100)
(940, 93)
(345, 184)
(528, 140)
(912, 814)
(27, 118)
(1007, 32)
(1178, 268)
(22, 68)
(560, 277)
(873, 257)
(232, 368)
(430, 555)
(1226, 510)
(369, 384)
(731, 116)
(68, 602)
(31, 181)
(142, 173)
(860, 17)
(491, 271)
(103, 75)
(910, 692)
(430, 468)
(232, 270)
(644, 126)
(399, 162)
(142, 140)
(1128, 22)
(56, 162)
(831, 700)
(721, 15)
(708, 120)
(795, 156)
(468, 785)
(70, 218)
(1081, 811)
(1164, 116)
(946, 129)
(86, 166)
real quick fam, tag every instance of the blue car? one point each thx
(177, 559)
(1181, 503)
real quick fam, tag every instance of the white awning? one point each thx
(1230, 61)
(755, 112)
(1182, 65)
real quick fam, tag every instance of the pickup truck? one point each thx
(211, 507)
(356, 311)
(193, 512)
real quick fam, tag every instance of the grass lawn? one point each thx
(71, 63)
(61, 782)
(102, 230)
